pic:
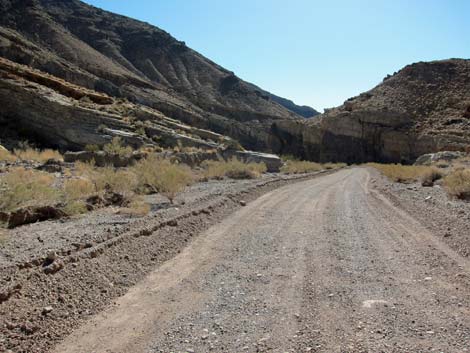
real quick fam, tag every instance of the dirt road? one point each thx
(325, 265)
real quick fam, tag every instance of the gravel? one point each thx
(78, 266)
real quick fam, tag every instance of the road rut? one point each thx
(324, 265)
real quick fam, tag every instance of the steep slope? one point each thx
(50, 111)
(302, 110)
(126, 58)
(423, 108)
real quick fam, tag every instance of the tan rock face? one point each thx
(421, 109)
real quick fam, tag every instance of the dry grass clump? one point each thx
(116, 147)
(7, 156)
(234, 169)
(402, 173)
(76, 207)
(123, 181)
(137, 207)
(430, 176)
(155, 174)
(299, 167)
(457, 184)
(77, 189)
(31, 154)
(330, 166)
(92, 148)
(21, 188)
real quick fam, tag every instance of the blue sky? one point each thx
(318, 53)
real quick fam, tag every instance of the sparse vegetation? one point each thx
(116, 147)
(298, 167)
(75, 207)
(92, 148)
(329, 166)
(21, 188)
(430, 176)
(234, 169)
(160, 175)
(141, 131)
(402, 173)
(78, 189)
(32, 154)
(123, 181)
(7, 156)
(137, 207)
(457, 184)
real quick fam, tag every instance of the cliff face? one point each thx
(423, 108)
(127, 58)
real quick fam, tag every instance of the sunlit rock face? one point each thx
(423, 108)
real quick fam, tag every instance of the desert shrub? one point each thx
(233, 168)
(123, 181)
(75, 207)
(102, 128)
(289, 157)
(297, 167)
(402, 173)
(330, 166)
(137, 207)
(31, 154)
(21, 187)
(76, 189)
(141, 131)
(84, 169)
(118, 180)
(7, 156)
(92, 148)
(457, 183)
(163, 176)
(428, 177)
(116, 147)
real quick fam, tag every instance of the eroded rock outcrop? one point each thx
(122, 57)
(421, 109)
(52, 116)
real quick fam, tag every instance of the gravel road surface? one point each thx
(323, 265)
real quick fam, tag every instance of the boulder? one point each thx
(430, 158)
(273, 162)
(51, 166)
(192, 159)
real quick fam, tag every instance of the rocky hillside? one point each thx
(123, 57)
(423, 108)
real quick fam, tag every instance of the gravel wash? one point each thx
(57, 274)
